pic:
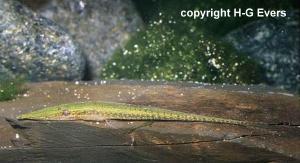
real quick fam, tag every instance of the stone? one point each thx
(100, 27)
(275, 44)
(5, 74)
(36, 48)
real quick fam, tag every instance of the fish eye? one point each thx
(65, 113)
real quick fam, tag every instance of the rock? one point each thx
(5, 74)
(100, 27)
(35, 47)
(275, 43)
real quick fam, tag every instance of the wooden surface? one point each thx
(127, 141)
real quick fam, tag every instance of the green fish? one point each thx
(102, 111)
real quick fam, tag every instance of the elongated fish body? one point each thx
(100, 111)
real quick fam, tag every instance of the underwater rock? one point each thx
(5, 74)
(35, 47)
(100, 27)
(162, 52)
(275, 43)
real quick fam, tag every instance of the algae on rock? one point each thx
(170, 50)
(10, 88)
(35, 47)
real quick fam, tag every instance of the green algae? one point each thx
(10, 88)
(166, 52)
(148, 10)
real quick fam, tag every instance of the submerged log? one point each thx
(138, 141)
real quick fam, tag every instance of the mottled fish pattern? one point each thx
(100, 111)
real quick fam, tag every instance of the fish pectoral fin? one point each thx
(145, 124)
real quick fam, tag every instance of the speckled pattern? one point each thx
(275, 43)
(36, 47)
(99, 111)
(99, 26)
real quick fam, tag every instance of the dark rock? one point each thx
(35, 47)
(275, 43)
(5, 74)
(100, 27)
